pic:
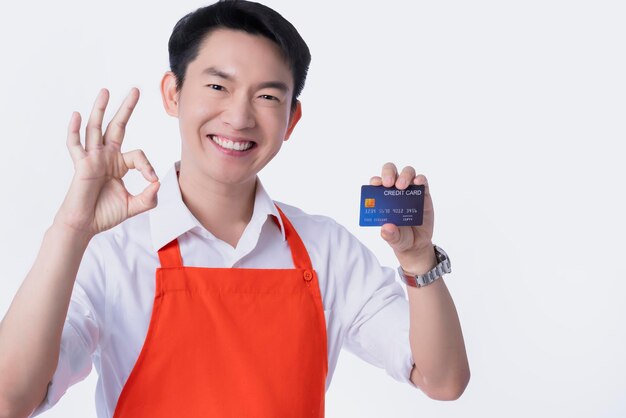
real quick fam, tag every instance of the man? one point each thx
(217, 301)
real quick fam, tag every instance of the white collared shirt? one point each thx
(365, 308)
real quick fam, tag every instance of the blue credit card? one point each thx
(387, 205)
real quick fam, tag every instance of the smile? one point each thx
(230, 145)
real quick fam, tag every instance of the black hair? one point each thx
(251, 17)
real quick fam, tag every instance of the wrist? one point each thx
(441, 267)
(65, 232)
(419, 261)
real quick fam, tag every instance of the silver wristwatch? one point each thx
(440, 269)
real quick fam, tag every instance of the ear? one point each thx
(169, 94)
(295, 116)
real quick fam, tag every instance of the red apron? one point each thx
(231, 342)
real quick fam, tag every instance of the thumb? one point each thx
(390, 233)
(144, 201)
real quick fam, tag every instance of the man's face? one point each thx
(234, 108)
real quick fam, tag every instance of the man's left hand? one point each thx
(412, 244)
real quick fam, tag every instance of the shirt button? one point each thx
(308, 276)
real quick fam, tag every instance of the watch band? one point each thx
(443, 267)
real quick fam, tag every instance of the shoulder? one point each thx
(114, 255)
(319, 232)
(306, 223)
(130, 237)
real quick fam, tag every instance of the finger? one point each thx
(421, 179)
(390, 233)
(389, 174)
(144, 201)
(93, 138)
(74, 146)
(405, 178)
(116, 129)
(137, 160)
(376, 181)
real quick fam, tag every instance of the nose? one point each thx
(238, 114)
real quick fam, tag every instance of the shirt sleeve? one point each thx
(80, 332)
(377, 320)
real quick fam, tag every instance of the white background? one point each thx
(514, 110)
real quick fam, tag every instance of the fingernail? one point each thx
(401, 182)
(387, 180)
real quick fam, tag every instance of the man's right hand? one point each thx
(97, 199)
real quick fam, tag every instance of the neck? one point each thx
(223, 209)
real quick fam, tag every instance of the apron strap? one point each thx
(170, 255)
(299, 253)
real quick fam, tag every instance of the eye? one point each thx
(215, 87)
(268, 97)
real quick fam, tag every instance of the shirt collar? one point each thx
(171, 218)
(265, 207)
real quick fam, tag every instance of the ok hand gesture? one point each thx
(97, 199)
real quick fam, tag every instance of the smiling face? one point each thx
(234, 107)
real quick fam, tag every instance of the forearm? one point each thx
(30, 333)
(441, 368)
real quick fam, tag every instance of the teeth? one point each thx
(226, 144)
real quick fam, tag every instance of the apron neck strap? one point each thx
(299, 253)
(170, 255)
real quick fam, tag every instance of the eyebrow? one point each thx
(218, 73)
(279, 85)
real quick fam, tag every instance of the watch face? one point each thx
(441, 254)
(443, 259)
